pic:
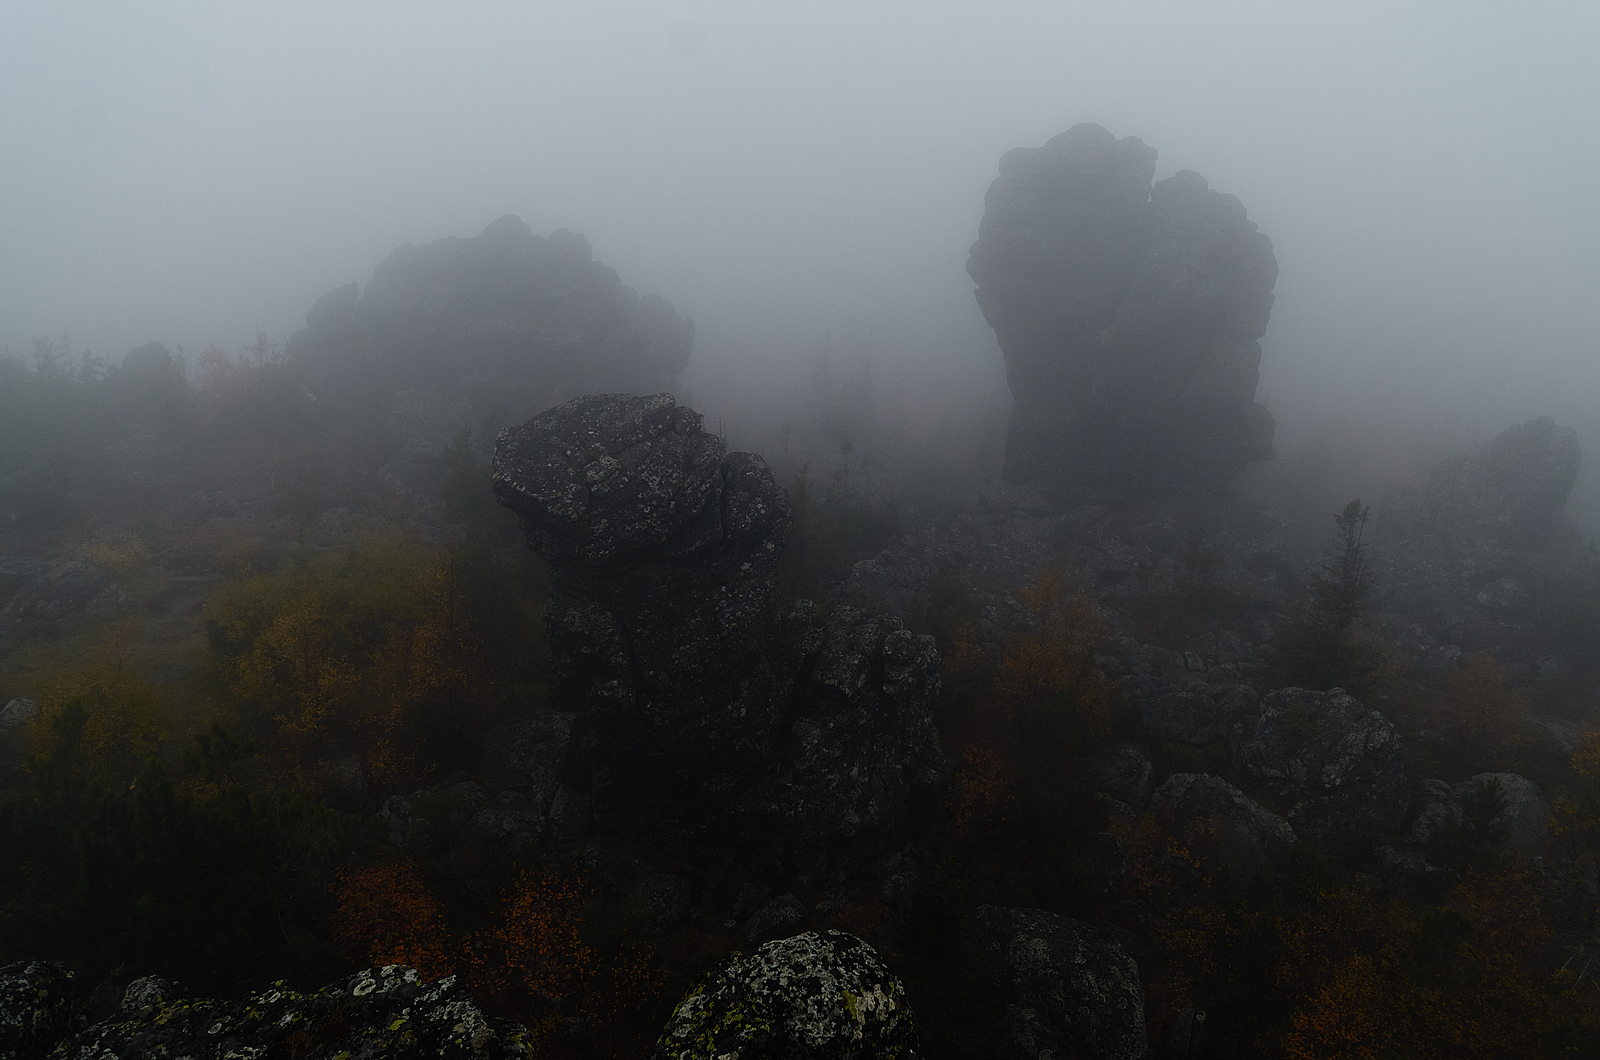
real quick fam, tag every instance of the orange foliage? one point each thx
(386, 914)
(534, 954)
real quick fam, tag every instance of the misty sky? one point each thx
(189, 173)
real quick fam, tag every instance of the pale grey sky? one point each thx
(190, 172)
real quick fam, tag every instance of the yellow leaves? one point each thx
(1344, 1018)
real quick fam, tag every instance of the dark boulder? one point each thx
(1337, 764)
(664, 551)
(1523, 821)
(820, 994)
(705, 704)
(1128, 315)
(1224, 827)
(1070, 989)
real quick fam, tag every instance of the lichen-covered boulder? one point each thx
(1337, 762)
(1070, 989)
(1222, 825)
(35, 1008)
(379, 1012)
(818, 996)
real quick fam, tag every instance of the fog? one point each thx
(815, 173)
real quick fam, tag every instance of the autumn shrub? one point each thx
(1484, 721)
(387, 649)
(385, 914)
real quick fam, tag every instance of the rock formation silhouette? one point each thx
(505, 320)
(1128, 315)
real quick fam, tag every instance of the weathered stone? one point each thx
(820, 994)
(664, 552)
(35, 1009)
(664, 626)
(380, 1012)
(1224, 827)
(62, 594)
(145, 993)
(1525, 819)
(1197, 716)
(1070, 988)
(1339, 764)
(1128, 315)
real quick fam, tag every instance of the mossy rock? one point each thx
(380, 1012)
(818, 996)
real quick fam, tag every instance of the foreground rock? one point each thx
(1070, 989)
(706, 703)
(35, 1008)
(502, 324)
(381, 1012)
(1223, 826)
(820, 994)
(1128, 315)
(1337, 763)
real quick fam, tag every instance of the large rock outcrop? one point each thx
(1070, 988)
(824, 994)
(1128, 315)
(1473, 543)
(507, 321)
(1336, 763)
(706, 701)
(1221, 825)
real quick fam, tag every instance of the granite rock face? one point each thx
(704, 699)
(1070, 989)
(506, 320)
(1337, 762)
(1222, 825)
(1128, 314)
(820, 994)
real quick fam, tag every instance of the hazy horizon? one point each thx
(189, 175)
